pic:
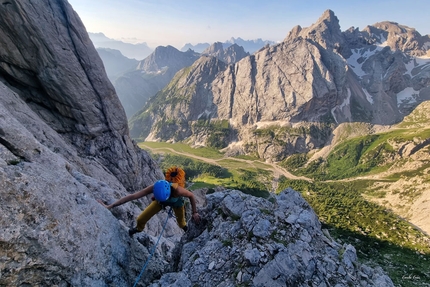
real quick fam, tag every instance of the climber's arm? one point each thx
(183, 192)
(141, 193)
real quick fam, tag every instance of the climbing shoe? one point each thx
(185, 228)
(132, 231)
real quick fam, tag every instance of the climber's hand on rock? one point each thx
(102, 203)
(196, 217)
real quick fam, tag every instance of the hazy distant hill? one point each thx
(250, 46)
(152, 74)
(199, 48)
(116, 64)
(135, 51)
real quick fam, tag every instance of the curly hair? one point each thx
(176, 175)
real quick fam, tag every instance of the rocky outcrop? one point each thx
(318, 77)
(167, 58)
(391, 34)
(152, 74)
(265, 242)
(391, 63)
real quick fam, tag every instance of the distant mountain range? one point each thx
(133, 51)
(136, 81)
(249, 46)
(141, 50)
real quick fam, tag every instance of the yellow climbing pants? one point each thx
(153, 209)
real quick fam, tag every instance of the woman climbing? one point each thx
(168, 192)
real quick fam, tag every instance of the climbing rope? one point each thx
(169, 214)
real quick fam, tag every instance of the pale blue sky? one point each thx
(177, 22)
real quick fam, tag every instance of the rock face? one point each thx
(258, 242)
(318, 76)
(64, 142)
(177, 103)
(55, 71)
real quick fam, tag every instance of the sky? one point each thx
(178, 22)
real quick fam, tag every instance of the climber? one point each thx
(168, 192)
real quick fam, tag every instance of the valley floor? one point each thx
(273, 167)
(415, 209)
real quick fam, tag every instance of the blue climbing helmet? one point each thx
(161, 190)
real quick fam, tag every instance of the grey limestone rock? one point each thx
(53, 67)
(64, 142)
(227, 251)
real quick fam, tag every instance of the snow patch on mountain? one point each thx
(345, 103)
(359, 56)
(368, 96)
(415, 63)
(408, 95)
(205, 114)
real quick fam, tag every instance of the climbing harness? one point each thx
(170, 214)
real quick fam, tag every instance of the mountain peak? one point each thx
(229, 55)
(327, 22)
(167, 57)
(216, 47)
(326, 31)
(328, 15)
(161, 49)
(393, 35)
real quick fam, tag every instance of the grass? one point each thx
(232, 163)
(181, 148)
(252, 179)
(201, 184)
(359, 156)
